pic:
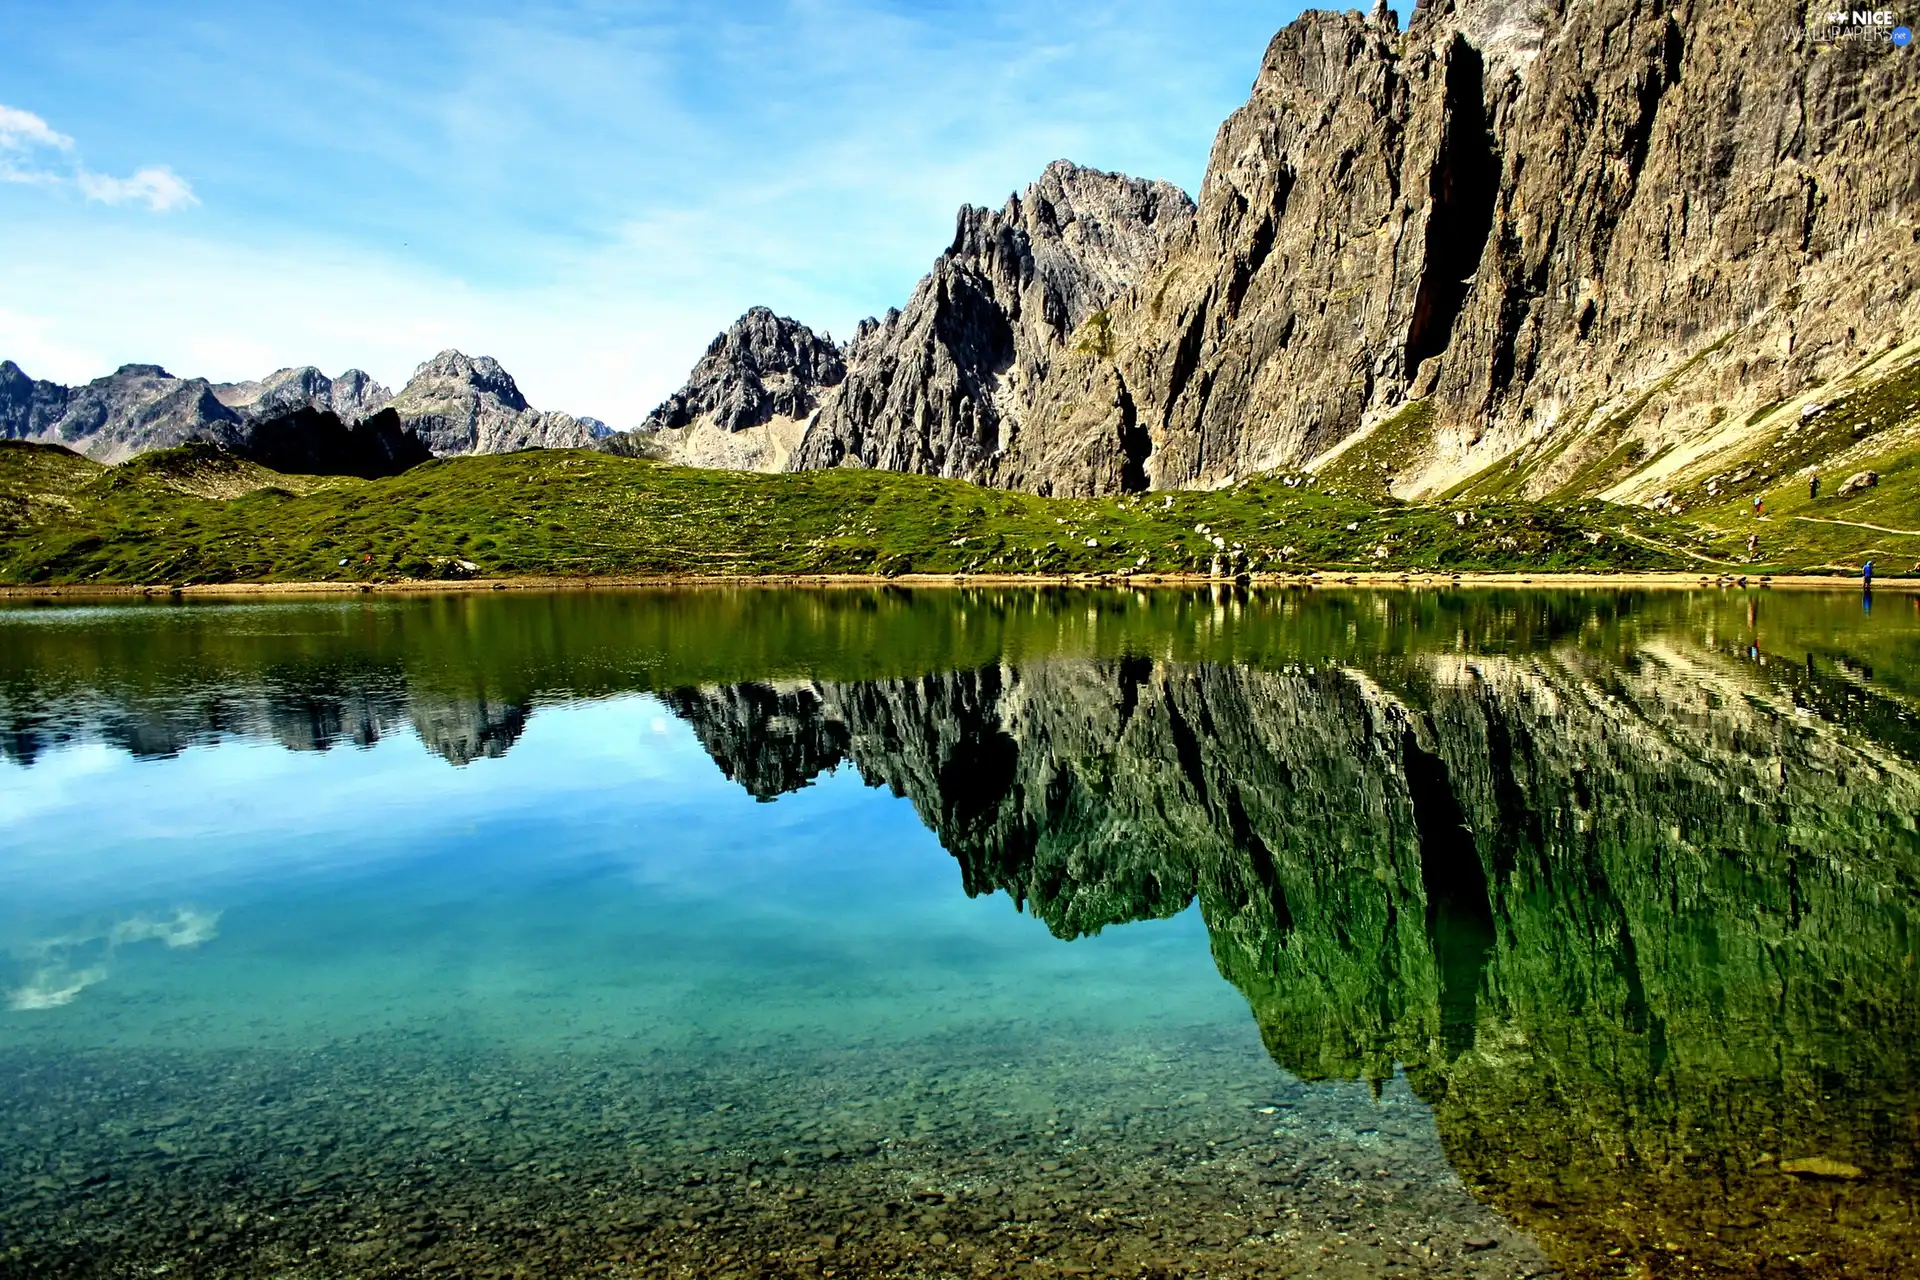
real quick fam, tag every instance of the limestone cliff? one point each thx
(1607, 226)
(1587, 244)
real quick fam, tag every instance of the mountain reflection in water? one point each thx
(1638, 932)
(1628, 886)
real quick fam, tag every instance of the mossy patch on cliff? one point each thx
(1095, 337)
(1367, 467)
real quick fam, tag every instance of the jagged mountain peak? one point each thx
(483, 374)
(469, 404)
(771, 343)
(747, 399)
(943, 386)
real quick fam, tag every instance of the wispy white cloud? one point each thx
(587, 192)
(62, 967)
(33, 152)
(23, 130)
(156, 186)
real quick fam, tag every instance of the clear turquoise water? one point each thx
(960, 933)
(600, 884)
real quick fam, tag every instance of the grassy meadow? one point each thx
(196, 515)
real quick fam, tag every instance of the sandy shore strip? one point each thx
(1662, 580)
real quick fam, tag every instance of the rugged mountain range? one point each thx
(135, 408)
(350, 397)
(940, 386)
(1576, 247)
(1571, 247)
(453, 404)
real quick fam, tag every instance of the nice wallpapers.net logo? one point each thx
(1876, 26)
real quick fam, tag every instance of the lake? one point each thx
(961, 933)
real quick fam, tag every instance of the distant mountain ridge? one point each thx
(351, 396)
(453, 404)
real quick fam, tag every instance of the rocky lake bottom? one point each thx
(1030, 1156)
(961, 934)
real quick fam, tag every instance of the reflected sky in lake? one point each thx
(601, 878)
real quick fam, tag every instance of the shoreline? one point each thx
(1586, 579)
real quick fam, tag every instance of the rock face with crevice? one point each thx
(1583, 237)
(947, 385)
(1592, 223)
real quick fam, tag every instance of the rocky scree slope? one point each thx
(1583, 241)
(746, 403)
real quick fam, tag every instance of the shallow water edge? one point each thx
(1728, 575)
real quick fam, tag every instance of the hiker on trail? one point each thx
(1813, 486)
(1756, 505)
(1753, 547)
(1866, 575)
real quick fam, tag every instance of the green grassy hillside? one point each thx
(195, 515)
(1874, 427)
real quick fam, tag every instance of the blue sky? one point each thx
(586, 191)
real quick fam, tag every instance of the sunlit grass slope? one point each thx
(195, 515)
